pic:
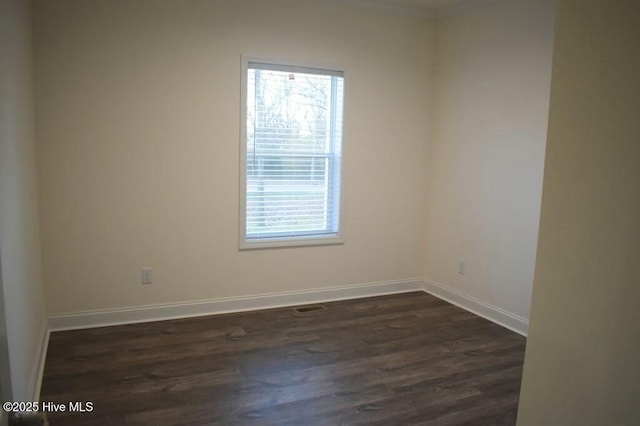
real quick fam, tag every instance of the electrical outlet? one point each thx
(146, 276)
(461, 266)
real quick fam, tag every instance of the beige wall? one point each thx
(138, 145)
(492, 79)
(581, 366)
(21, 281)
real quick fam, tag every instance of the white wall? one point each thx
(21, 280)
(138, 145)
(492, 80)
(581, 365)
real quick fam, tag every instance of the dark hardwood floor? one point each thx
(406, 359)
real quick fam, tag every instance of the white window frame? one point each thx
(290, 241)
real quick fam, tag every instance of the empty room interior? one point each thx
(322, 212)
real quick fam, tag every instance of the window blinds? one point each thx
(293, 152)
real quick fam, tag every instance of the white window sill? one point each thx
(290, 242)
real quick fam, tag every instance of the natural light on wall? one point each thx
(291, 155)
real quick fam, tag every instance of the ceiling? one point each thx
(424, 6)
(431, 5)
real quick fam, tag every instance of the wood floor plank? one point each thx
(406, 359)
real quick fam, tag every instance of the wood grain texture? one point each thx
(407, 359)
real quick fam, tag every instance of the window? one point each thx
(290, 156)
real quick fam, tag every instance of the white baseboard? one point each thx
(36, 383)
(160, 312)
(479, 307)
(105, 317)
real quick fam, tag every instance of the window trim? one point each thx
(289, 241)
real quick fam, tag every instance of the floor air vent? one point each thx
(307, 309)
